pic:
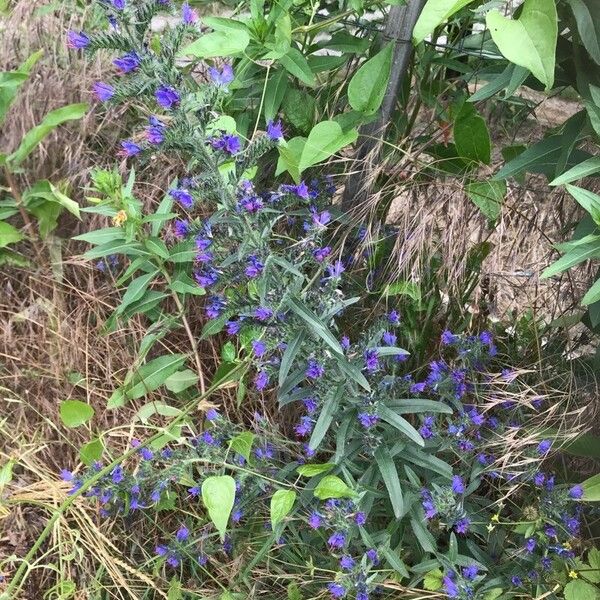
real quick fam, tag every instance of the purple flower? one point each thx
(304, 427)
(458, 485)
(146, 454)
(161, 550)
(202, 560)
(254, 267)
(360, 518)
(77, 41)
(233, 327)
(155, 134)
(184, 197)
(368, 420)
(321, 254)
(576, 492)
(389, 338)
(544, 447)
(66, 475)
(214, 306)
(181, 228)
(337, 540)
(228, 143)
(372, 555)
(337, 590)
(128, 62)
(261, 380)
(212, 414)
(314, 370)
(516, 581)
(449, 585)
(470, 572)
(223, 77)
(118, 4)
(530, 545)
(182, 534)
(347, 562)
(371, 357)
(315, 520)
(320, 219)
(263, 313)
(550, 531)
(259, 347)
(462, 525)
(449, 338)
(103, 91)
(195, 491)
(188, 14)
(129, 148)
(173, 561)
(486, 338)
(117, 474)
(394, 317)
(167, 96)
(274, 131)
(418, 388)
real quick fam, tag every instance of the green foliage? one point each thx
(74, 413)
(218, 495)
(282, 503)
(368, 85)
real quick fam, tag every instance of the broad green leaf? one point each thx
(402, 425)
(274, 94)
(289, 157)
(153, 374)
(433, 580)
(224, 24)
(471, 136)
(228, 352)
(64, 201)
(592, 295)
(332, 487)
(242, 443)
(581, 590)
(591, 489)
(74, 413)
(34, 136)
(282, 503)
(312, 470)
(135, 290)
(218, 43)
(213, 326)
(295, 64)
(218, 495)
(530, 40)
(368, 85)
(434, 13)
(388, 471)
(488, 196)
(181, 380)
(91, 452)
(156, 408)
(588, 200)
(587, 15)
(325, 139)
(300, 109)
(102, 236)
(584, 169)
(115, 247)
(9, 234)
(575, 256)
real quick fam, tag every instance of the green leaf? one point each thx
(587, 15)
(434, 13)
(575, 256)
(581, 590)
(282, 503)
(300, 109)
(583, 169)
(224, 24)
(156, 408)
(9, 234)
(433, 580)
(6, 474)
(293, 592)
(471, 136)
(427, 461)
(325, 139)
(530, 40)
(592, 295)
(228, 352)
(287, 360)
(157, 247)
(295, 64)
(242, 444)
(289, 157)
(218, 43)
(153, 374)
(184, 284)
(332, 487)
(326, 416)
(135, 290)
(181, 380)
(102, 236)
(388, 471)
(368, 85)
(402, 425)
(274, 93)
(591, 489)
(218, 495)
(91, 452)
(312, 470)
(488, 196)
(74, 413)
(409, 406)
(314, 323)
(588, 200)
(34, 136)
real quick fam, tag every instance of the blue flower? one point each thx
(228, 143)
(544, 447)
(462, 525)
(128, 62)
(310, 404)
(315, 520)
(394, 317)
(77, 41)
(576, 492)
(66, 475)
(449, 586)
(167, 96)
(233, 327)
(261, 380)
(314, 370)
(223, 77)
(345, 342)
(347, 562)
(336, 590)
(118, 4)
(263, 313)
(516, 581)
(368, 420)
(129, 148)
(181, 228)
(259, 347)
(182, 534)
(448, 338)
(321, 254)
(470, 572)
(188, 14)
(304, 427)
(530, 545)
(117, 474)
(147, 454)
(458, 485)
(212, 414)
(254, 267)
(360, 518)
(389, 338)
(372, 555)
(337, 540)
(103, 91)
(274, 131)
(371, 357)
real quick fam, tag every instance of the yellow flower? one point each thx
(567, 546)
(490, 527)
(573, 574)
(119, 218)
(495, 518)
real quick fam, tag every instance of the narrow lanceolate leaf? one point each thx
(282, 503)
(586, 168)
(402, 425)
(326, 416)
(573, 257)
(288, 357)
(403, 406)
(154, 373)
(314, 323)
(588, 200)
(218, 495)
(135, 290)
(388, 471)
(592, 295)
(427, 461)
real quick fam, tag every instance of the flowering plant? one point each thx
(425, 473)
